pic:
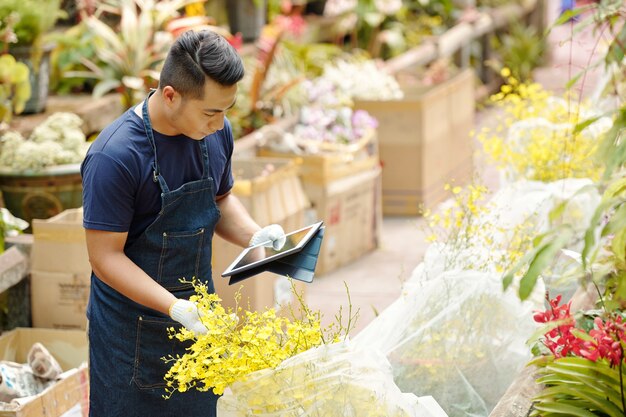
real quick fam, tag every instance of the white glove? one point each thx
(273, 234)
(186, 313)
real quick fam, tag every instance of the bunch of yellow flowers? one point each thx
(232, 349)
(471, 237)
(536, 135)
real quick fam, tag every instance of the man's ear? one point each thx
(170, 96)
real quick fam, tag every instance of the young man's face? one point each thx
(197, 118)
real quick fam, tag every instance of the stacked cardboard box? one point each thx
(343, 184)
(351, 211)
(424, 143)
(60, 272)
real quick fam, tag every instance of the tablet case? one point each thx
(300, 265)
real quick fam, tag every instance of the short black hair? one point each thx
(196, 55)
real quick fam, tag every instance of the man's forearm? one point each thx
(123, 275)
(235, 225)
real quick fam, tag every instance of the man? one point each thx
(156, 186)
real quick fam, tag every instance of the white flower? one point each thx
(338, 7)
(388, 7)
(9, 144)
(58, 140)
(361, 80)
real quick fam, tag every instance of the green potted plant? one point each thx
(14, 87)
(40, 175)
(127, 57)
(35, 18)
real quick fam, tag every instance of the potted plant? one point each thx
(35, 18)
(40, 176)
(14, 87)
(247, 17)
(128, 57)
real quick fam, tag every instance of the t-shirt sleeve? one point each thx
(108, 200)
(227, 180)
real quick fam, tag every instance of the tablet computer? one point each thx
(258, 255)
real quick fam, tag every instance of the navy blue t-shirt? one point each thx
(119, 194)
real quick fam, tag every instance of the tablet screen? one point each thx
(256, 255)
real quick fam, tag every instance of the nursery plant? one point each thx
(580, 354)
(131, 51)
(234, 349)
(14, 87)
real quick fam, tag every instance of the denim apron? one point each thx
(127, 340)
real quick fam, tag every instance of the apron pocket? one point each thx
(180, 258)
(153, 344)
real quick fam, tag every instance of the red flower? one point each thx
(607, 335)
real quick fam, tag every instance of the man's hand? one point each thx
(273, 235)
(186, 313)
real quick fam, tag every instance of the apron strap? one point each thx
(205, 159)
(147, 126)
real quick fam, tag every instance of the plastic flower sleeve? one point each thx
(455, 337)
(523, 203)
(330, 380)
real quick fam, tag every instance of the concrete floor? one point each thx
(375, 280)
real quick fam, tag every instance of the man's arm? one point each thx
(235, 225)
(113, 267)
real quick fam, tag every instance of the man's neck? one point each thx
(157, 116)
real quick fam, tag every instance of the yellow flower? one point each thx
(232, 350)
(541, 154)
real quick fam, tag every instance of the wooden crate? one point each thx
(333, 161)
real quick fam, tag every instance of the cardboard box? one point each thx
(351, 211)
(334, 161)
(60, 275)
(271, 196)
(424, 143)
(269, 188)
(59, 243)
(59, 299)
(70, 348)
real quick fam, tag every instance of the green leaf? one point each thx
(563, 409)
(616, 49)
(593, 382)
(595, 398)
(581, 366)
(507, 279)
(557, 212)
(590, 233)
(615, 188)
(584, 124)
(574, 79)
(105, 86)
(567, 15)
(545, 328)
(617, 222)
(544, 257)
(612, 149)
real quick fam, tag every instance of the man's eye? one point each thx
(209, 114)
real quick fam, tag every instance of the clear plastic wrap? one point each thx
(522, 202)
(454, 334)
(456, 337)
(330, 380)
